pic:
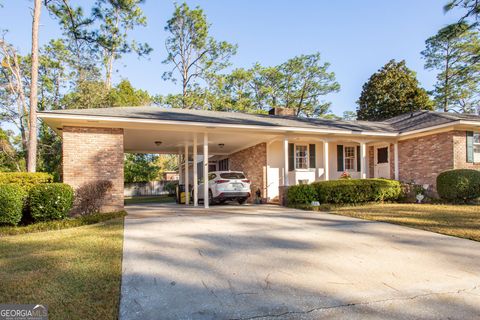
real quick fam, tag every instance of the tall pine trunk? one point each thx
(32, 134)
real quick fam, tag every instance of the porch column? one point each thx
(179, 163)
(395, 160)
(195, 174)
(205, 170)
(363, 160)
(285, 162)
(325, 161)
(187, 195)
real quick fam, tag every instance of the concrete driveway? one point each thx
(268, 262)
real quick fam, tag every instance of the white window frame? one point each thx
(307, 156)
(476, 155)
(354, 158)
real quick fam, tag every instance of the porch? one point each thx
(280, 162)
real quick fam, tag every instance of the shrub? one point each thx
(171, 187)
(25, 179)
(50, 201)
(301, 194)
(357, 190)
(345, 191)
(12, 199)
(460, 185)
(89, 197)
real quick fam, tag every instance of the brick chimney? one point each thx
(279, 111)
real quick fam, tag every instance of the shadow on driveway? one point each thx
(270, 262)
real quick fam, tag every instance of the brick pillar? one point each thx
(92, 154)
(253, 162)
(391, 154)
(371, 161)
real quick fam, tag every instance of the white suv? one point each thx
(226, 185)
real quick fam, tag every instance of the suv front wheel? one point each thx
(242, 200)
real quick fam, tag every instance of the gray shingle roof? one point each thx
(425, 119)
(403, 123)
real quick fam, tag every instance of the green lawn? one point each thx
(456, 220)
(60, 224)
(158, 199)
(76, 272)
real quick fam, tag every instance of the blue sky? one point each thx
(356, 37)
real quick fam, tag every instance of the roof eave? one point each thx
(206, 125)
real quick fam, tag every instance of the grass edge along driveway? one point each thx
(75, 272)
(461, 221)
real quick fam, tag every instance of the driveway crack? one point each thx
(356, 304)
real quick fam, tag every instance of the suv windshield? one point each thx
(232, 175)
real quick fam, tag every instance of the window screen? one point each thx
(476, 147)
(382, 155)
(349, 158)
(223, 165)
(301, 157)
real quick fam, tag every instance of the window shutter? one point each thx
(470, 146)
(359, 161)
(339, 157)
(291, 157)
(312, 156)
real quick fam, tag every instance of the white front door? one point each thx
(382, 162)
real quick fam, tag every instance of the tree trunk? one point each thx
(32, 139)
(184, 92)
(110, 53)
(447, 71)
(108, 73)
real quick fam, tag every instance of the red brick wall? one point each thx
(91, 154)
(252, 161)
(460, 147)
(371, 161)
(391, 154)
(422, 159)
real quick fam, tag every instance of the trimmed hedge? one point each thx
(460, 185)
(345, 191)
(301, 194)
(12, 198)
(25, 179)
(50, 201)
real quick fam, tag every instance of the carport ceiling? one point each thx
(144, 141)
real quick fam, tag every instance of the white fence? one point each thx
(152, 188)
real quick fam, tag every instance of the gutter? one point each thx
(48, 115)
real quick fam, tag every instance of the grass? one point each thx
(60, 224)
(455, 220)
(75, 272)
(147, 199)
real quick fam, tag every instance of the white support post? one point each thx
(285, 162)
(395, 161)
(325, 161)
(195, 173)
(179, 162)
(205, 170)
(187, 192)
(363, 160)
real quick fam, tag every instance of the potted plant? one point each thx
(420, 192)
(345, 176)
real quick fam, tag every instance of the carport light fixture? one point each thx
(221, 145)
(158, 143)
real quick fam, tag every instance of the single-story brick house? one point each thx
(274, 150)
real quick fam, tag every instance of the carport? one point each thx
(94, 144)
